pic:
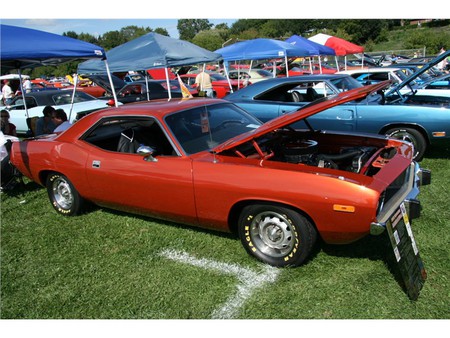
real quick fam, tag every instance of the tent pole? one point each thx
(337, 62)
(111, 83)
(320, 64)
(75, 80)
(168, 83)
(286, 62)
(225, 66)
(23, 94)
(146, 86)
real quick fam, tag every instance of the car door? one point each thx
(161, 188)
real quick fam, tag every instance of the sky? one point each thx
(97, 27)
(96, 18)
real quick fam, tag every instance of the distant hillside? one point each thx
(413, 37)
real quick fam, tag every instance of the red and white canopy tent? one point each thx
(341, 47)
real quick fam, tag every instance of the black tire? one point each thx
(413, 136)
(276, 235)
(62, 194)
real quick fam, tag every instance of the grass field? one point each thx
(105, 264)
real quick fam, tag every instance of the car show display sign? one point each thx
(406, 252)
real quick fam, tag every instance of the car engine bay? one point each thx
(320, 149)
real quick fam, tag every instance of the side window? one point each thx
(126, 135)
(19, 103)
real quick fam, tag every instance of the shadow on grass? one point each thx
(19, 188)
(376, 248)
(440, 151)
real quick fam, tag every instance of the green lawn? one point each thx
(106, 264)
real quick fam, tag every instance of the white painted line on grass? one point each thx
(249, 280)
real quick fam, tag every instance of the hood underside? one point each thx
(304, 112)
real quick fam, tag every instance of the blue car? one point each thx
(421, 125)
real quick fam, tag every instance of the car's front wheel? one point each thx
(64, 197)
(276, 235)
(410, 135)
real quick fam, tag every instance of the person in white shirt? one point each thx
(7, 93)
(203, 82)
(443, 64)
(59, 118)
(27, 86)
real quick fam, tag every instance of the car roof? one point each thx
(280, 80)
(370, 70)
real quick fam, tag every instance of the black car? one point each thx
(144, 91)
(136, 91)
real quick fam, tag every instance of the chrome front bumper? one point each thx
(408, 195)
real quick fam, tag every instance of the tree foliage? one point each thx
(188, 28)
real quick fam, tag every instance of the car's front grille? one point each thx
(395, 193)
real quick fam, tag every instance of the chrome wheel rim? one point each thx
(62, 193)
(272, 234)
(405, 136)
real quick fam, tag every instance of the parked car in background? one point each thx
(36, 101)
(249, 76)
(207, 163)
(437, 83)
(376, 75)
(405, 86)
(422, 125)
(221, 86)
(144, 91)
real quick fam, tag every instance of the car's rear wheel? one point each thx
(410, 135)
(64, 197)
(276, 235)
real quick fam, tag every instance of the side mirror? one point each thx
(111, 103)
(147, 153)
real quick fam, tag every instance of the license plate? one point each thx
(406, 252)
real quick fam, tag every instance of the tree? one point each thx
(161, 31)
(209, 39)
(132, 32)
(188, 28)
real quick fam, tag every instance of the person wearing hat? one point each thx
(7, 93)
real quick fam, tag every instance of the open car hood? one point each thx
(102, 80)
(396, 88)
(304, 112)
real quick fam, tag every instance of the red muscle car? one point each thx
(207, 163)
(221, 86)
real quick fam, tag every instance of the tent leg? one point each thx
(23, 94)
(168, 83)
(75, 82)
(111, 83)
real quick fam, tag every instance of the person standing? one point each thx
(7, 93)
(203, 82)
(7, 127)
(443, 64)
(27, 86)
(59, 117)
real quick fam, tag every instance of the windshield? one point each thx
(65, 97)
(203, 128)
(345, 83)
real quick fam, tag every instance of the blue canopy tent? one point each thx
(315, 49)
(258, 49)
(150, 51)
(23, 48)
